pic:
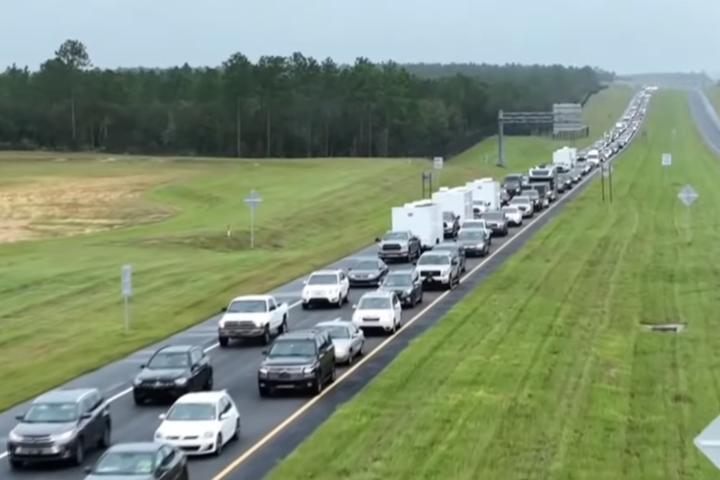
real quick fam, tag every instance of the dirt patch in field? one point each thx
(56, 206)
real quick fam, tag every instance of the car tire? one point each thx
(79, 453)
(236, 432)
(106, 438)
(264, 392)
(318, 387)
(305, 306)
(138, 400)
(333, 374)
(223, 341)
(266, 336)
(208, 384)
(15, 464)
(218, 445)
(361, 352)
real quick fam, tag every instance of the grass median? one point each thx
(75, 220)
(548, 369)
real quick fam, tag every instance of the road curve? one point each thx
(236, 370)
(706, 119)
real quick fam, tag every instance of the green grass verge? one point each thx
(544, 371)
(59, 298)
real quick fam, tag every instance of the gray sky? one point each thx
(626, 36)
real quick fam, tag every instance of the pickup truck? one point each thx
(256, 317)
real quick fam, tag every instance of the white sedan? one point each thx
(349, 340)
(200, 423)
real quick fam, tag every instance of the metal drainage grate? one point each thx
(664, 327)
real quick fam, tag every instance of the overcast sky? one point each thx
(626, 36)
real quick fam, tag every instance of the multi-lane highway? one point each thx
(236, 369)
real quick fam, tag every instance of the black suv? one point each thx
(60, 425)
(172, 372)
(451, 225)
(512, 184)
(407, 286)
(301, 360)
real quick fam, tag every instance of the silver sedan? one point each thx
(349, 341)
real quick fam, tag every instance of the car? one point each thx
(479, 207)
(200, 423)
(565, 182)
(524, 204)
(378, 310)
(456, 251)
(534, 196)
(406, 284)
(326, 287)
(399, 246)
(253, 317)
(497, 221)
(303, 360)
(451, 224)
(439, 269)
(349, 340)
(474, 242)
(512, 183)
(367, 273)
(576, 174)
(60, 425)
(477, 223)
(513, 215)
(140, 461)
(171, 372)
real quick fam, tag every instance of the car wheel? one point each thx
(266, 336)
(106, 438)
(236, 432)
(333, 374)
(79, 454)
(223, 341)
(218, 445)
(361, 352)
(318, 386)
(138, 400)
(208, 384)
(305, 306)
(15, 464)
(264, 392)
(284, 326)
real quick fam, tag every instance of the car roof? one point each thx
(135, 447)
(336, 322)
(69, 395)
(378, 293)
(201, 397)
(299, 334)
(401, 272)
(326, 272)
(251, 297)
(175, 348)
(440, 252)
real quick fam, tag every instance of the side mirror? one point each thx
(414, 264)
(304, 282)
(354, 307)
(223, 416)
(454, 262)
(264, 352)
(284, 304)
(223, 309)
(87, 470)
(85, 416)
(377, 239)
(19, 418)
(162, 416)
(142, 365)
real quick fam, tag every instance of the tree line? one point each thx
(293, 106)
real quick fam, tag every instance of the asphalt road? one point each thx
(706, 118)
(236, 369)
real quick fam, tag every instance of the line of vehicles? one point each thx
(433, 237)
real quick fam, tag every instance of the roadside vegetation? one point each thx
(547, 369)
(70, 221)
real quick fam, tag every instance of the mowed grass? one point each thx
(60, 307)
(545, 370)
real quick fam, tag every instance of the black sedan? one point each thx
(367, 273)
(140, 461)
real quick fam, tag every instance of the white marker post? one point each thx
(666, 159)
(252, 201)
(126, 291)
(688, 196)
(438, 163)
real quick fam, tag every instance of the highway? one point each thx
(706, 119)
(264, 421)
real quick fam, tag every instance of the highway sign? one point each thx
(666, 159)
(438, 163)
(252, 201)
(688, 195)
(606, 169)
(708, 442)
(126, 280)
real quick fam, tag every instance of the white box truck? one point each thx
(486, 194)
(423, 218)
(565, 158)
(456, 200)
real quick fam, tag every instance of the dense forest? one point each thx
(293, 106)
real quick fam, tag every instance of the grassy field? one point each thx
(546, 370)
(59, 292)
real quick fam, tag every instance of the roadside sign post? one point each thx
(252, 201)
(126, 291)
(438, 163)
(606, 172)
(666, 159)
(688, 196)
(427, 184)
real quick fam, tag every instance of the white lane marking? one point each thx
(310, 403)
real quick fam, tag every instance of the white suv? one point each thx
(326, 287)
(378, 310)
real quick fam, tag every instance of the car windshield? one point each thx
(183, 412)
(520, 201)
(248, 306)
(162, 360)
(366, 265)
(374, 303)
(125, 463)
(494, 216)
(397, 281)
(475, 224)
(531, 193)
(395, 236)
(323, 279)
(51, 413)
(292, 348)
(510, 210)
(336, 331)
(512, 179)
(448, 216)
(434, 260)
(471, 235)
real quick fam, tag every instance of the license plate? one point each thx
(32, 451)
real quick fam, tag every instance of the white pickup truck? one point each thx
(253, 317)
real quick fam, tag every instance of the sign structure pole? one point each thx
(610, 175)
(126, 291)
(438, 163)
(688, 196)
(252, 201)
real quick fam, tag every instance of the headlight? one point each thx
(63, 436)
(407, 292)
(480, 245)
(263, 371)
(158, 435)
(180, 381)
(14, 437)
(208, 434)
(137, 381)
(308, 370)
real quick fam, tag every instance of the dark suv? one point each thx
(398, 245)
(60, 425)
(407, 286)
(172, 372)
(512, 184)
(301, 360)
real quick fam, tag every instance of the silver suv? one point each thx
(439, 269)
